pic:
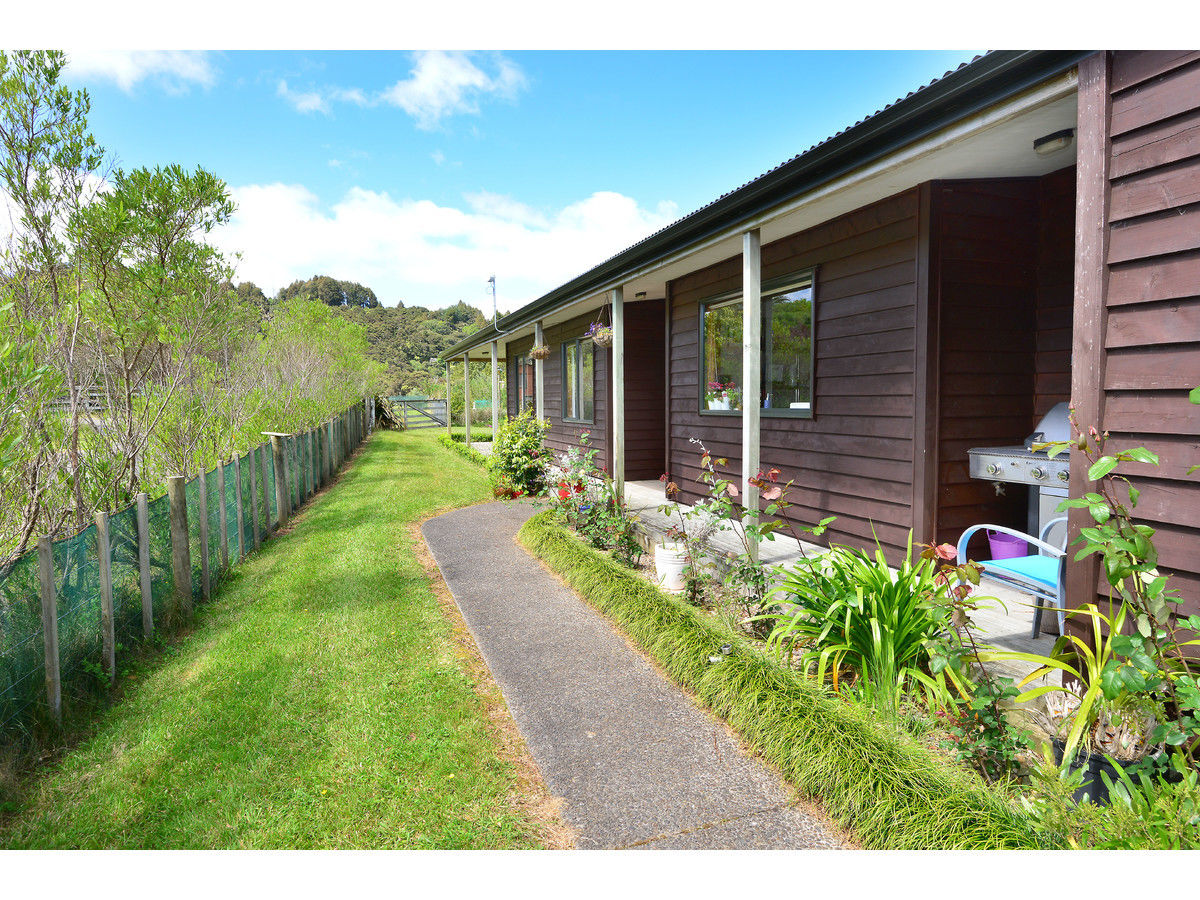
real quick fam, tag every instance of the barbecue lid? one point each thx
(1054, 426)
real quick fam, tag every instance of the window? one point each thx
(524, 380)
(787, 357)
(579, 369)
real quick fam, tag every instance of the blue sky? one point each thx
(421, 174)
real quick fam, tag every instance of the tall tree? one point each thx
(47, 160)
(153, 299)
(251, 294)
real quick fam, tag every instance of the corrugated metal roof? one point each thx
(957, 93)
(792, 159)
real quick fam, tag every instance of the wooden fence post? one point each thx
(108, 634)
(293, 466)
(240, 508)
(327, 436)
(281, 488)
(255, 532)
(45, 551)
(222, 516)
(319, 443)
(202, 507)
(143, 526)
(306, 441)
(301, 470)
(181, 553)
(263, 462)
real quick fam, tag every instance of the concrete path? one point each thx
(638, 764)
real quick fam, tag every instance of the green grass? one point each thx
(478, 432)
(318, 702)
(463, 449)
(888, 791)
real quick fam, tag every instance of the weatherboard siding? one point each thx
(1002, 276)
(854, 458)
(563, 435)
(1137, 310)
(1150, 346)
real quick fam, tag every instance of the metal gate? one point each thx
(419, 412)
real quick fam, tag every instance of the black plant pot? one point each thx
(1094, 764)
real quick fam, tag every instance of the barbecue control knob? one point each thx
(1038, 472)
(993, 469)
(1064, 475)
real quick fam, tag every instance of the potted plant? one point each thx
(1107, 712)
(541, 351)
(724, 397)
(601, 334)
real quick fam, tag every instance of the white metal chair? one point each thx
(1042, 575)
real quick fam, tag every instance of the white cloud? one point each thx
(440, 84)
(175, 70)
(349, 95)
(445, 83)
(426, 254)
(302, 101)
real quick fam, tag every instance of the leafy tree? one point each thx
(153, 301)
(251, 294)
(359, 295)
(331, 292)
(47, 156)
(117, 298)
(405, 339)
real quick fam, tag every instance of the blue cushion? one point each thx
(1042, 569)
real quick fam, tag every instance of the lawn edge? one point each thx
(532, 797)
(883, 788)
(464, 450)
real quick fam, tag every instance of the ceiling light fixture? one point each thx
(1052, 143)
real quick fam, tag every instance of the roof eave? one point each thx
(958, 95)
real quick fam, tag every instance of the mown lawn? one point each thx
(319, 701)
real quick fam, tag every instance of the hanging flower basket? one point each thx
(540, 352)
(601, 335)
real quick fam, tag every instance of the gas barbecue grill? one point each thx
(1021, 464)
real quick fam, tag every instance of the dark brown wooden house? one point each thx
(1022, 233)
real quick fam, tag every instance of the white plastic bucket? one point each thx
(669, 562)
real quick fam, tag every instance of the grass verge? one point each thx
(876, 782)
(463, 449)
(479, 433)
(319, 701)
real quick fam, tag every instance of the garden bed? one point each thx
(873, 779)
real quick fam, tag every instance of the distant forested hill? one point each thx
(406, 338)
(403, 338)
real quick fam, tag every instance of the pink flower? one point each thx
(773, 493)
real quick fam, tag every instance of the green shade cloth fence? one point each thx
(76, 569)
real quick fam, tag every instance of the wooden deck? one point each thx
(1004, 620)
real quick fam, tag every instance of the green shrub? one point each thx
(847, 611)
(519, 455)
(463, 450)
(1145, 811)
(873, 779)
